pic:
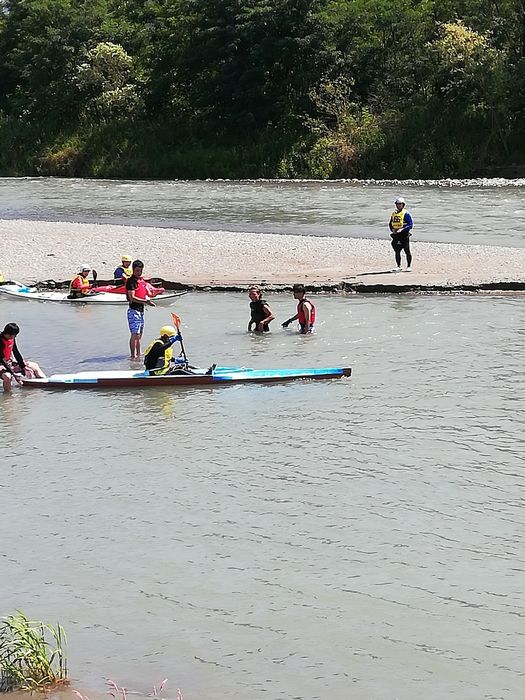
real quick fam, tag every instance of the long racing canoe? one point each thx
(122, 379)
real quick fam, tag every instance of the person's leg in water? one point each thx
(136, 327)
(7, 381)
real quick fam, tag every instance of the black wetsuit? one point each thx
(401, 241)
(258, 314)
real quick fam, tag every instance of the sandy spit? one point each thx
(35, 251)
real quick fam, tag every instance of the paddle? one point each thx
(176, 321)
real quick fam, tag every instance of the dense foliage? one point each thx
(262, 88)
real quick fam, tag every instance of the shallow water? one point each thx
(357, 538)
(486, 213)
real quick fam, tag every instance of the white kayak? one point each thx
(19, 291)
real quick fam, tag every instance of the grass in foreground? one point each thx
(32, 654)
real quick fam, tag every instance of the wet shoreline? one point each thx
(50, 253)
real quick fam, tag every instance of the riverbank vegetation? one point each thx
(262, 88)
(32, 654)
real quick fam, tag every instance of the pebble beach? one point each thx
(38, 251)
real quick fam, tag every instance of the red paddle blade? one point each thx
(176, 320)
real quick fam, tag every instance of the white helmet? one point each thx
(400, 200)
(85, 267)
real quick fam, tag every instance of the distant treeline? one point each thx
(262, 88)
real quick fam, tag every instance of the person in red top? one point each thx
(137, 295)
(305, 311)
(80, 285)
(19, 369)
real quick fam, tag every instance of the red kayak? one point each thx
(146, 289)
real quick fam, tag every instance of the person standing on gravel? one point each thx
(400, 226)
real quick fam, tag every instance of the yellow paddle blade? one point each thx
(176, 319)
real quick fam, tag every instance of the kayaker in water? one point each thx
(80, 285)
(261, 314)
(305, 311)
(20, 368)
(136, 292)
(400, 226)
(124, 271)
(158, 357)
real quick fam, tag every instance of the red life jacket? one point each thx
(301, 316)
(6, 347)
(143, 289)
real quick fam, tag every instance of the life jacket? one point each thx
(123, 272)
(84, 284)
(397, 219)
(143, 289)
(301, 315)
(162, 364)
(6, 347)
(258, 312)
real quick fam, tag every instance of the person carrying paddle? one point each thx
(261, 314)
(19, 369)
(305, 311)
(80, 286)
(158, 356)
(400, 226)
(137, 295)
(124, 271)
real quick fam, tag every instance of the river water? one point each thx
(486, 212)
(346, 539)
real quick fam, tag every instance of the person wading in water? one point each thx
(261, 314)
(305, 311)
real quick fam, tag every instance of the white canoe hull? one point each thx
(18, 291)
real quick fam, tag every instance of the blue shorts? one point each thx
(135, 321)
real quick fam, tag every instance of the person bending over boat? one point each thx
(158, 357)
(400, 226)
(80, 286)
(261, 314)
(137, 295)
(124, 271)
(305, 311)
(19, 369)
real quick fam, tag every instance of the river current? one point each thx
(347, 539)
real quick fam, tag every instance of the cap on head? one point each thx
(298, 288)
(167, 330)
(400, 200)
(85, 268)
(126, 258)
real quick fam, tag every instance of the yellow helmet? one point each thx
(126, 258)
(167, 330)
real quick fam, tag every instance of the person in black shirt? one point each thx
(261, 314)
(137, 296)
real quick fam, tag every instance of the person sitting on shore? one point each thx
(305, 311)
(158, 357)
(124, 271)
(80, 286)
(400, 226)
(261, 314)
(10, 370)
